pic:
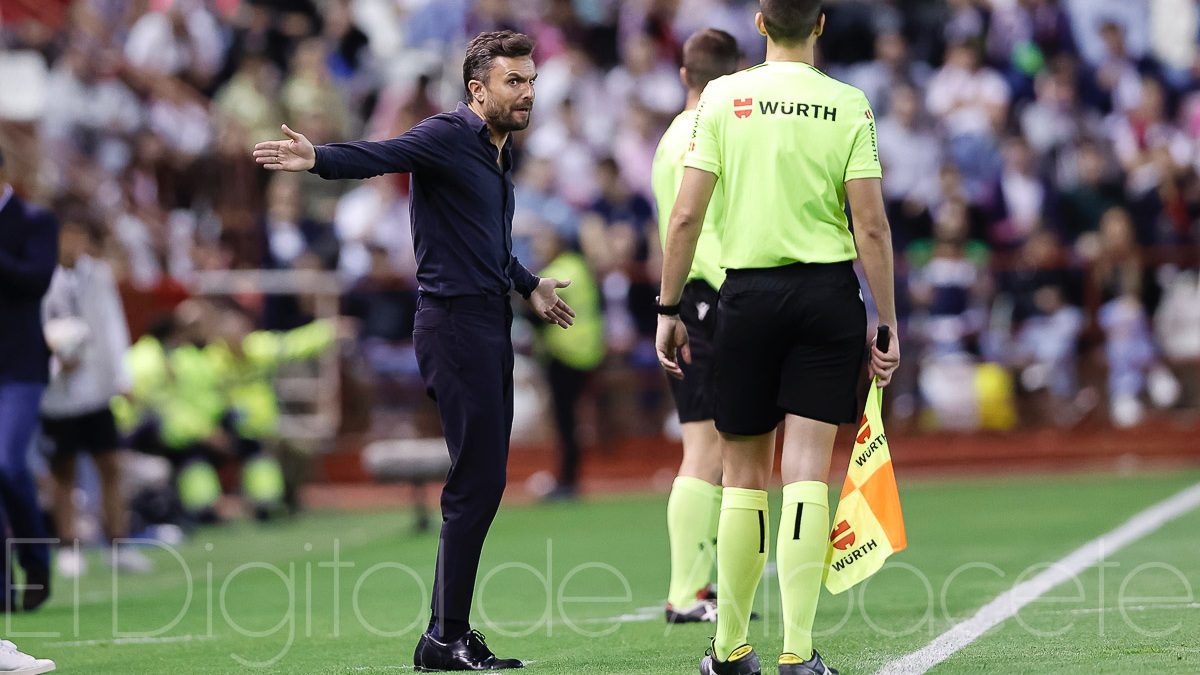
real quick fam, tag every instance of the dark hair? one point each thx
(486, 47)
(709, 54)
(791, 22)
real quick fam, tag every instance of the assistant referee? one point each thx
(791, 146)
(695, 502)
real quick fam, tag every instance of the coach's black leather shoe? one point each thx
(743, 661)
(469, 652)
(790, 664)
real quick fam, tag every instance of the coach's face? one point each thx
(508, 93)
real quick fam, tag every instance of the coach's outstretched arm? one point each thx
(417, 148)
(873, 238)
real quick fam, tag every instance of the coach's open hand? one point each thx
(549, 306)
(672, 344)
(296, 154)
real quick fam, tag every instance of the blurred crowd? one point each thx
(1040, 156)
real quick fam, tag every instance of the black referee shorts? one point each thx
(788, 340)
(694, 393)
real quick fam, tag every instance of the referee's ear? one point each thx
(820, 26)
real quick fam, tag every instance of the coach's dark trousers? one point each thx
(464, 349)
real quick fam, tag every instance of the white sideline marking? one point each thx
(131, 641)
(1007, 604)
(1130, 608)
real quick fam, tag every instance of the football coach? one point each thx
(462, 212)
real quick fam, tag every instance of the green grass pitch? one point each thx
(578, 588)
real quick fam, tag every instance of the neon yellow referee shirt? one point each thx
(666, 175)
(784, 138)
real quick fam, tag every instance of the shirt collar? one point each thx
(474, 121)
(477, 125)
(5, 196)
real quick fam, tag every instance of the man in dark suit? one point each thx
(28, 255)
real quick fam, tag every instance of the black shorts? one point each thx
(694, 393)
(68, 436)
(789, 340)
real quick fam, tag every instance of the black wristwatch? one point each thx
(665, 310)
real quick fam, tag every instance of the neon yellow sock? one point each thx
(800, 557)
(692, 513)
(742, 545)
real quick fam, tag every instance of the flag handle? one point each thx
(883, 339)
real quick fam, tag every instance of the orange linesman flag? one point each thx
(868, 526)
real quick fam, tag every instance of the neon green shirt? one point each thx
(582, 346)
(785, 137)
(666, 176)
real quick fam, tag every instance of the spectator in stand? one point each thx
(1095, 191)
(537, 200)
(633, 147)
(1039, 264)
(251, 97)
(967, 22)
(1055, 121)
(617, 234)
(891, 70)
(1130, 353)
(1020, 197)
(573, 149)
(1047, 349)
(1174, 25)
(911, 157)
(1023, 35)
(1116, 75)
(310, 91)
(182, 40)
(643, 78)
(948, 285)
(971, 101)
(385, 304)
(375, 214)
(573, 74)
(1154, 154)
(1117, 268)
(93, 114)
(1089, 18)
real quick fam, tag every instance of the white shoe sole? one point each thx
(42, 666)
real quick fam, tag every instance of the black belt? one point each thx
(464, 301)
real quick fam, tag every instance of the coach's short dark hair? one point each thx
(709, 54)
(791, 22)
(486, 47)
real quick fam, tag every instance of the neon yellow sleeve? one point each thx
(704, 151)
(864, 154)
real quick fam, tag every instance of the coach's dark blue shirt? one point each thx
(462, 201)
